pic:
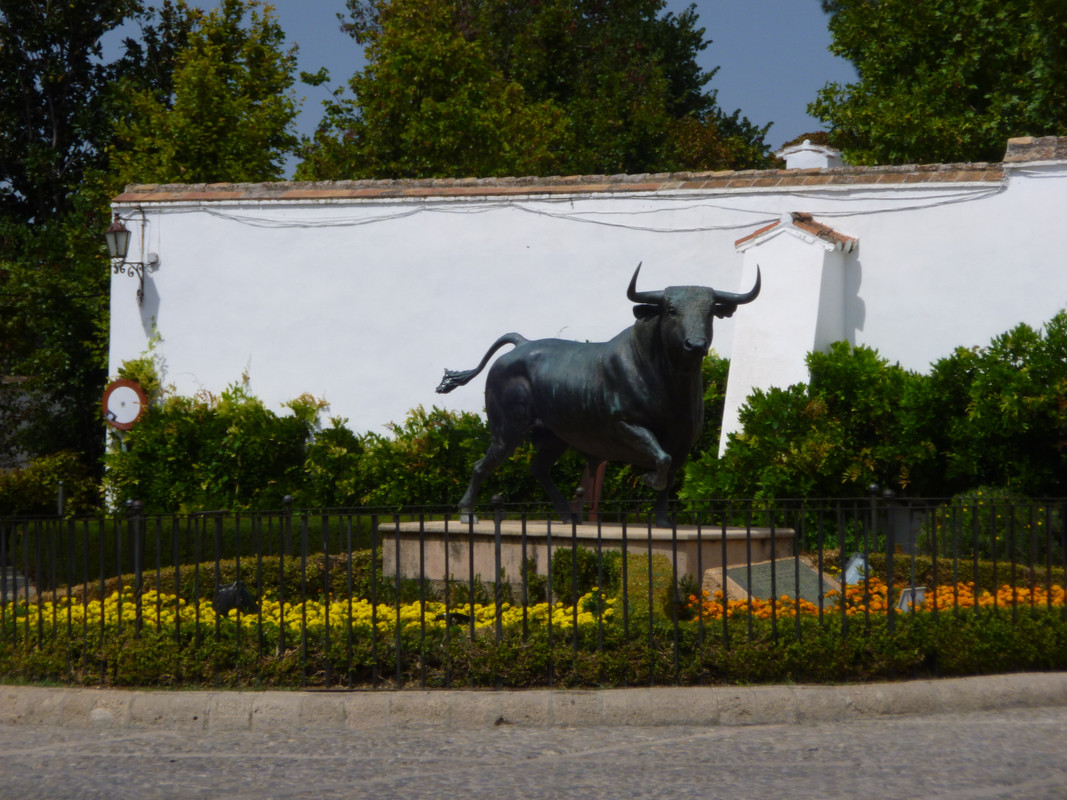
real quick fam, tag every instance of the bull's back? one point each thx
(579, 391)
(566, 379)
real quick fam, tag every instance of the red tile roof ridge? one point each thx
(591, 184)
(805, 222)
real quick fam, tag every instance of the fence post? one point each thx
(287, 530)
(498, 518)
(135, 509)
(890, 561)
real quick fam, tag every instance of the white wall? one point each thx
(366, 301)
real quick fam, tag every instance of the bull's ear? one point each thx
(724, 309)
(646, 311)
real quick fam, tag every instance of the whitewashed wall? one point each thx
(364, 301)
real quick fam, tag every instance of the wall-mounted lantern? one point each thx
(118, 246)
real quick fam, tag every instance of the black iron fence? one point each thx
(422, 597)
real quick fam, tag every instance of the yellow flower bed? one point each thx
(167, 611)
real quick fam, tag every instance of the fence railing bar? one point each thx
(700, 581)
(1013, 555)
(6, 532)
(470, 575)
(748, 571)
(349, 682)
(601, 595)
(448, 606)
(799, 530)
(727, 515)
(774, 579)
(651, 605)
(551, 666)
(375, 674)
(422, 599)
(574, 585)
(397, 641)
(673, 595)
(523, 555)
(625, 581)
(994, 548)
(327, 599)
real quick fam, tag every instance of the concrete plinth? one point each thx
(437, 549)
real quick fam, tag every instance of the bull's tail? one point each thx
(454, 378)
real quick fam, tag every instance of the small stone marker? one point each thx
(856, 570)
(783, 577)
(911, 598)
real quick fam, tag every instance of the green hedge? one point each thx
(920, 645)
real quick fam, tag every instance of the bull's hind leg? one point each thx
(497, 454)
(508, 408)
(548, 450)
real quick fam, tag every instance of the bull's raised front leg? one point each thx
(643, 440)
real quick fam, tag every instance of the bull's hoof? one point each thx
(655, 480)
(467, 518)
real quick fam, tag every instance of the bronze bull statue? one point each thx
(637, 398)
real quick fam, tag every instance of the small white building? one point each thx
(362, 292)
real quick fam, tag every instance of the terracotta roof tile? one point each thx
(808, 224)
(571, 184)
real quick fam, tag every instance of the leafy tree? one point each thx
(148, 61)
(33, 489)
(945, 80)
(833, 436)
(228, 452)
(982, 417)
(499, 87)
(432, 103)
(53, 318)
(55, 112)
(1010, 425)
(53, 120)
(187, 73)
(227, 111)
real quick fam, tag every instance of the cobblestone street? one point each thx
(990, 754)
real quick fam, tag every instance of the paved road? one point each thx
(1017, 753)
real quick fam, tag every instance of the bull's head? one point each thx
(686, 312)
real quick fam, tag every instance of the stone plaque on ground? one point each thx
(782, 573)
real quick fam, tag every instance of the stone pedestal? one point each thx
(437, 549)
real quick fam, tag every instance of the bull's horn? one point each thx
(634, 296)
(741, 299)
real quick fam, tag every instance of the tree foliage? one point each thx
(193, 96)
(497, 87)
(945, 80)
(54, 119)
(53, 333)
(228, 452)
(982, 417)
(225, 112)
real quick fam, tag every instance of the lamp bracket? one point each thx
(135, 269)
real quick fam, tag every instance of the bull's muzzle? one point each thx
(697, 346)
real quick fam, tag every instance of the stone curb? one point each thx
(448, 709)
